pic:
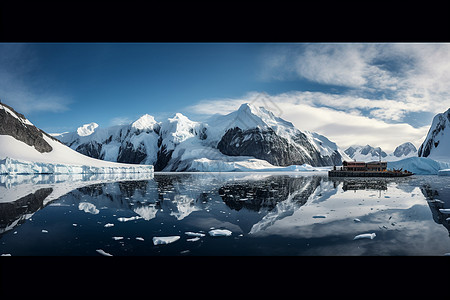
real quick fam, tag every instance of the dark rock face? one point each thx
(372, 151)
(266, 144)
(442, 122)
(163, 158)
(404, 149)
(92, 149)
(10, 212)
(127, 153)
(21, 131)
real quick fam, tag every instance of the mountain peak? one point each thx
(144, 122)
(87, 129)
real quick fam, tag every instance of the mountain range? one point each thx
(369, 153)
(26, 149)
(250, 138)
(180, 144)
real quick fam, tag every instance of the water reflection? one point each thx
(437, 194)
(255, 206)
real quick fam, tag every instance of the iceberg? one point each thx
(420, 165)
(219, 232)
(162, 240)
(444, 172)
(365, 236)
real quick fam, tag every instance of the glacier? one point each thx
(420, 165)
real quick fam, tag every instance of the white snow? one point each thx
(162, 240)
(196, 234)
(16, 157)
(244, 164)
(219, 232)
(144, 123)
(122, 219)
(87, 129)
(365, 236)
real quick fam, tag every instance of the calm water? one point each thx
(267, 214)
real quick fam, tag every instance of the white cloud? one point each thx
(346, 128)
(389, 80)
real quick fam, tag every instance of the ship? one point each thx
(369, 169)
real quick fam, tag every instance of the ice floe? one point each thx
(365, 236)
(161, 240)
(219, 232)
(102, 252)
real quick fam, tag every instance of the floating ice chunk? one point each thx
(445, 210)
(193, 239)
(122, 219)
(356, 220)
(139, 238)
(116, 238)
(109, 225)
(88, 207)
(219, 232)
(196, 234)
(44, 231)
(6, 254)
(161, 240)
(365, 236)
(103, 252)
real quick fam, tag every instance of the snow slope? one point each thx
(18, 157)
(437, 143)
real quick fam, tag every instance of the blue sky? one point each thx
(378, 94)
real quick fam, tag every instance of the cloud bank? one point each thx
(377, 94)
(346, 128)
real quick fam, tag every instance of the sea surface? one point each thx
(224, 214)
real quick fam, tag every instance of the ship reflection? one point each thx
(354, 184)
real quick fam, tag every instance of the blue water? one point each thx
(267, 214)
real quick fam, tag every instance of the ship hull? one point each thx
(339, 173)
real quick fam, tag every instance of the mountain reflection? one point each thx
(14, 213)
(438, 198)
(268, 193)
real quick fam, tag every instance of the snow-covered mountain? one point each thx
(248, 136)
(437, 143)
(26, 149)
(405, 150)
(369, 153)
